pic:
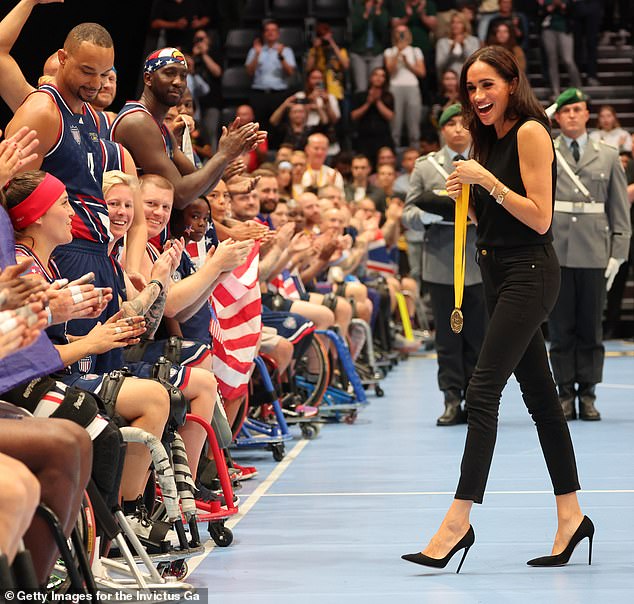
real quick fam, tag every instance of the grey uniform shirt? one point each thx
(438, 244)
(588, 240)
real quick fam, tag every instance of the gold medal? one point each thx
(459, 258)
(456, 320)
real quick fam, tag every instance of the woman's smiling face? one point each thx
(488, 93)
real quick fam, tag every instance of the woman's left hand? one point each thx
(467, 172)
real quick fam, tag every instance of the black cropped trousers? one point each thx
(521, 286)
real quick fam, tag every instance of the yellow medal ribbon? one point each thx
(459, 257)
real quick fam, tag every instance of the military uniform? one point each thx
(589, 230)
(457, 353)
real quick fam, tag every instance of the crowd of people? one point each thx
(120, 228)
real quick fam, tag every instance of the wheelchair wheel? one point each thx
(222, 536)
(319, 376)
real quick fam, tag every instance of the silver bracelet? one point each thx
(492, 191)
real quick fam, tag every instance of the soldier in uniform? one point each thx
(591, 228)
(429, 209)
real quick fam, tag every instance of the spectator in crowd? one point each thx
(447, 94)
(284, 153)
(208, 65)
(503, 35)
(372, 113)
(254, 157)
(360, 187)
(285, 179)
(517, 23)
(405, 65)
(453, 50)
(369, 22)
(317, 173)
(420, 17)
(342, 162)
(558, 43)
(616, 30)
(323, 107)
(179, 19)
(385, 179)
(298, 167)
(444, 10)
(270, 64)
(408, 160)
(487, 9)
(103, 100)
(196, 85)
(609, 130)
(587, 16)
(290, 122)
(199, 138)
(332, 61)
(386, 155)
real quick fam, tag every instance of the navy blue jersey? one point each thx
(77, 160)
(134, 107)
(113, 157)
(104, 124)
(197, 326)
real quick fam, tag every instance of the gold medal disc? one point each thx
(456, 321)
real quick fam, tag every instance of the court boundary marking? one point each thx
(246, 506)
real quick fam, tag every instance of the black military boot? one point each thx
(567, 400)
(587, 410)
(454, 414)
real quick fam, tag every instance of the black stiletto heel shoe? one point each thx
(465, 543)
(586, 529)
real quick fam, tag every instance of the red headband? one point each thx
(37, 203)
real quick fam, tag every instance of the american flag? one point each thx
(236, 325)
(285, 285)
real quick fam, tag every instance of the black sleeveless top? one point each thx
(496, 226)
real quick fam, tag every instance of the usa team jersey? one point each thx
(134, 107)
(104, 124)
(113, 158)
(77, 159)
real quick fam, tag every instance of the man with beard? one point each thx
(70, 149)
(268, 194)
(139, 127)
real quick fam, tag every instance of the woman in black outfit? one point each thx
(512, 178)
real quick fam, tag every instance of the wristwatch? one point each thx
(499, 198)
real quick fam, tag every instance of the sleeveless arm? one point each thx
(38, 112)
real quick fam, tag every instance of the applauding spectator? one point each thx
(332, 61)
(207, 65)
(270, 64)
(405, 66)
(369, 22)
(452, 51)
(372, 112)
(179, 19)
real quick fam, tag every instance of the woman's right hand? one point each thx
(114, 333)
(166, 264)
(12, 331)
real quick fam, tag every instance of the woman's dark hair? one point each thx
(20, 187)
(522, 102)
(386, 84)
(512, 41)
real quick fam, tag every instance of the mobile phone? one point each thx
(319, 85)
(302, 101)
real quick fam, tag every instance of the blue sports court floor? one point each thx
(329, 523)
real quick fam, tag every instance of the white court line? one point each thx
(194, 562)
(417, 493)
(617, 386)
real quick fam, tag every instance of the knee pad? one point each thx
(330, 301)
(29, 395)
(178, 403)
(107, 462)
(110, 390)
(340, 289)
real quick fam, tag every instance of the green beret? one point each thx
(447, 114)
(569, 96)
